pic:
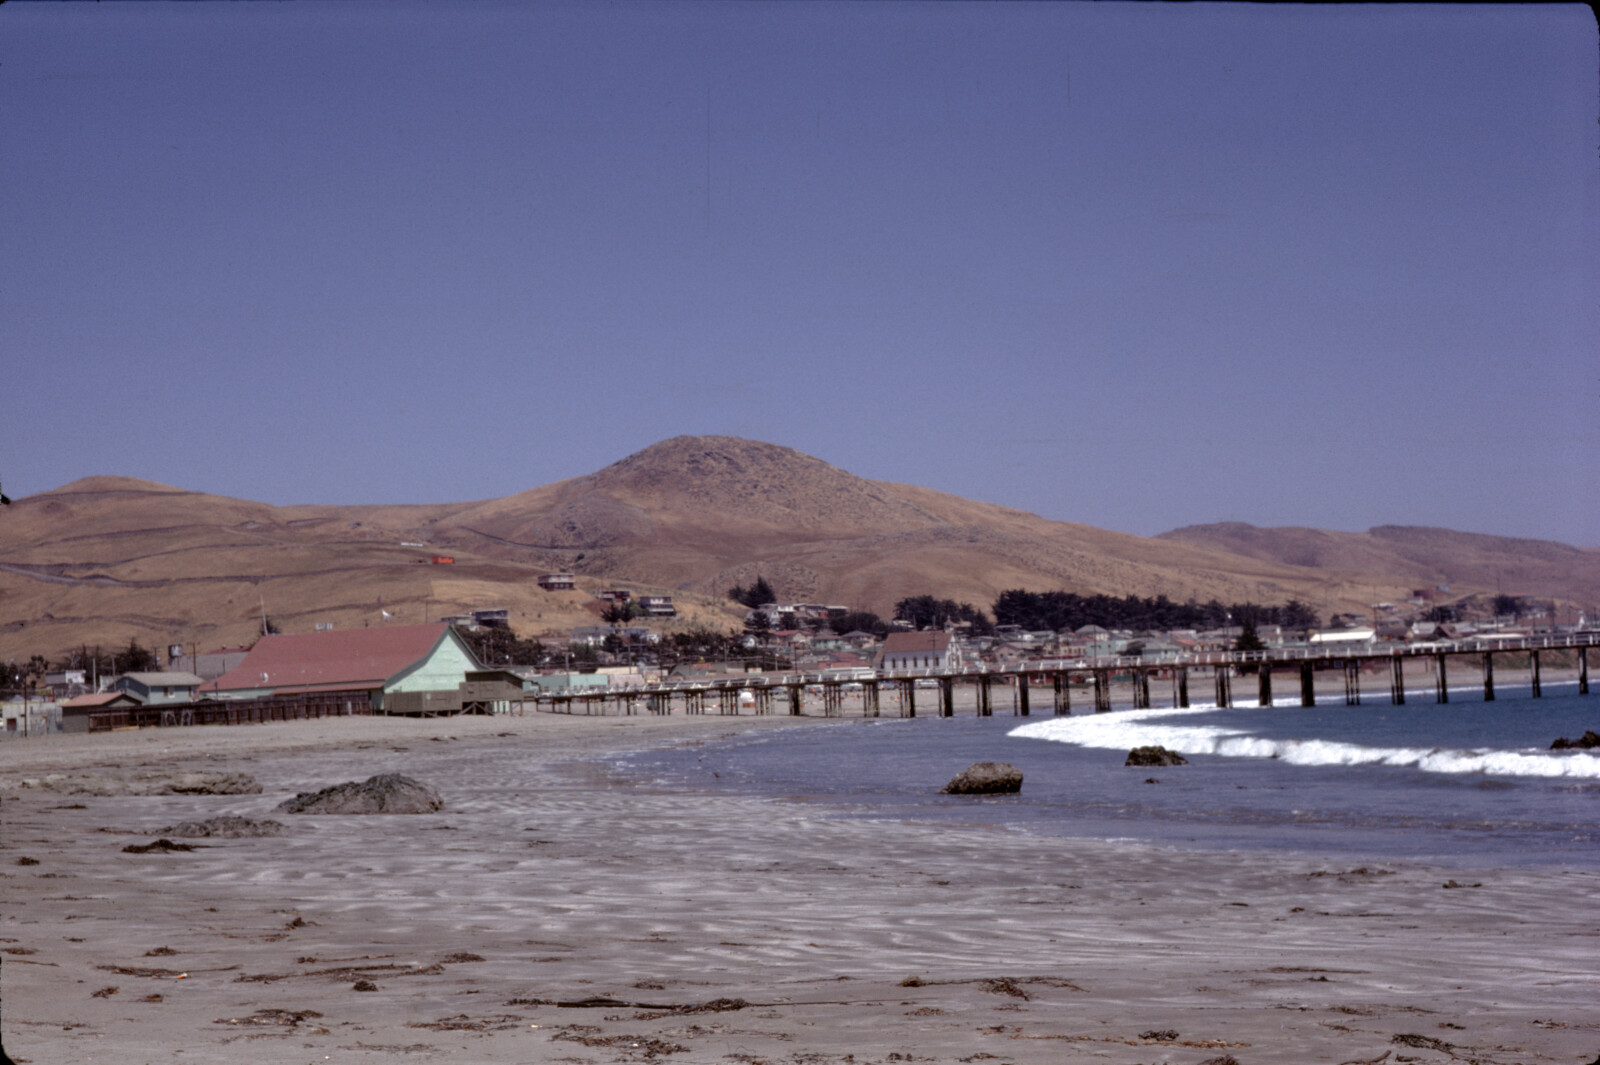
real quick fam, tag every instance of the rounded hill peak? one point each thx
(87, 485)
(749, 481)
(715, 458)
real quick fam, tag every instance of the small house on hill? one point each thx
(398, 669)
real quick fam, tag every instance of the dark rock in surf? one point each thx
(160, 846)
(1587, 741)
(1143, 756)
(225, 827)
(985, 778)
(387, 793)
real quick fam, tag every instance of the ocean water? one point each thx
(1463, 783)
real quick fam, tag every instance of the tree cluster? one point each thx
(858, 621)
(620, 612)
(501, 647)
(758, 594)
(927, 612)
(1063, 611)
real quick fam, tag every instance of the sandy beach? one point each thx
(554, 912)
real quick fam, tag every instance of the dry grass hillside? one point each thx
(1427, 556)
(106, 559)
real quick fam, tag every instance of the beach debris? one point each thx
(160, 846)
(277, 1018)
(1160, 1035)
(226, 827)
(104, 992)
(149, 973)
(643, 1045)
(1225, 1059)
(25, 860)
(716, 1005)
(461, 1022)
(364, 985)
(985, 778)
(1147, 756)
(1423, 1042)
(1458, 884)
(141, 782)
(911, 981)
(1585, 742)
(1004, 985)
(386, 793)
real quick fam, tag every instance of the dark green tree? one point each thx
(1248, 639)
(758, 594)
(619, 612)
(858, 621)
(501, 647)
(134, 659)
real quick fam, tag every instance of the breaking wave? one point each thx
(1131, 728)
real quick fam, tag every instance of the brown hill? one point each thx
(1424, 556)
(106, 559)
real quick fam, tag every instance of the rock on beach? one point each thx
(985, 778)
(1143, 756)
(386, 793)
(226, 827)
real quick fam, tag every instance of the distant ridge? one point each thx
(106, 559)
(1428, 556)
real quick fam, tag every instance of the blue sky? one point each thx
(1138, 266)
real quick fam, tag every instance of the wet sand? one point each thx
(552, 912)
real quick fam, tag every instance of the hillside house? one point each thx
(557, 582)
(658, 606)
(395, 669)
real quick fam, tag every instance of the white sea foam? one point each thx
(1131, 728)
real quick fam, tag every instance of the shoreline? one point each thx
(841, 936)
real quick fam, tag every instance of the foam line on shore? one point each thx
(1127, 729)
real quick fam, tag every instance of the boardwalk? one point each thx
(1053, 682)
(1061, 685)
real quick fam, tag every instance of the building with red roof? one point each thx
(402, 668)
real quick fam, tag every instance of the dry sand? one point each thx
(718, 928)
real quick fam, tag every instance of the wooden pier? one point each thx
(906, 692)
